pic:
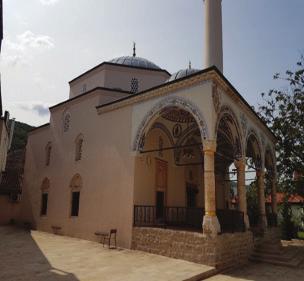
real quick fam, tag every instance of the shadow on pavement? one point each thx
(22, 259)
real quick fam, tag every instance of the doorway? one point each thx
(161, 188)
(160, 205)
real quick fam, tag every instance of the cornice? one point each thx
(158, 92)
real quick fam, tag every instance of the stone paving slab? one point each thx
(41, 256)
(262, 272)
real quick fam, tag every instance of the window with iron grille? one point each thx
(75, 203)
(44, 204)
(134, 85)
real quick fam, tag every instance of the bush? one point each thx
(301, 235)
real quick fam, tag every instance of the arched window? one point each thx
(134, 85)
(78, 147)
(44, 197)
(48, 152)
(66, 122)
(76, 184)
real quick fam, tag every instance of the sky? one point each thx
(47, 43)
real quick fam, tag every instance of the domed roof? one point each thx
(182, 73)
(135, 62)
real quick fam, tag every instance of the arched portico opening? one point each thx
(174, 182)
(255, 175)
(229, 172)
(168, 168)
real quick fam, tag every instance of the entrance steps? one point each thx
(269, 249)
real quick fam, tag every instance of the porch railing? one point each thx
(183, 217)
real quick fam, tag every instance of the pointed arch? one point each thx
(76, 182)
(254, 148)
(157, 109)
(227, 125)
(45, 185)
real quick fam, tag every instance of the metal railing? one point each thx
(183, 217)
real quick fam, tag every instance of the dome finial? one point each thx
(134, 49)
(190, 66)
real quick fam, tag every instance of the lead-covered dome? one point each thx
(135, 62)
(182, 73)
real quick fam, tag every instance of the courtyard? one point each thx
(36, 256)
(42, 256)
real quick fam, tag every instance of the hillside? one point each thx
(20, 135)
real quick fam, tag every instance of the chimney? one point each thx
(213, 34)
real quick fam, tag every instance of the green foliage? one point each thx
(301, 235)
(287, 224)
(253, 203)
(283, 112)
(301, 224)
(20, 135)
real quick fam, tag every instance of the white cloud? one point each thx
(40, 108)
(48, 2)
(23, 49)
(29, 39)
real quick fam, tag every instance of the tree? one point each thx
(283, 112)
(287, 225)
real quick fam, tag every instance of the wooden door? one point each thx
(161, 175)
(161, 180)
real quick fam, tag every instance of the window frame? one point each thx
(44, 203)
(74, 213)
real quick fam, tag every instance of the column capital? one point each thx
(260, 173)
(209, 146)
(240, 164)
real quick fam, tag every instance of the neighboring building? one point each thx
(134, 146)
(296, 202)
(8, 187)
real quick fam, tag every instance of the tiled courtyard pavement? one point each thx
(39, 256)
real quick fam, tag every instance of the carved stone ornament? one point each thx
(244, 123)
(173, 101)
(216, 97)
(177, 130)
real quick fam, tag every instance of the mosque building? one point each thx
(148, 153)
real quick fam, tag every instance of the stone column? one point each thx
(241, 189)
(261, 197)
(211, 226)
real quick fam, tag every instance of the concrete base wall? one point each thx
(224, 251)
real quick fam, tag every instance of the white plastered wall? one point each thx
(106, 168)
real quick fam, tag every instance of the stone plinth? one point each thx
(222, 251)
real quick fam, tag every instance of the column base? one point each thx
(263, 221)
(246, 222)
(211, 226)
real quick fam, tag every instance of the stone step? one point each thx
(291, 263)
(269, 250)
(204, 275)
(284, 257)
